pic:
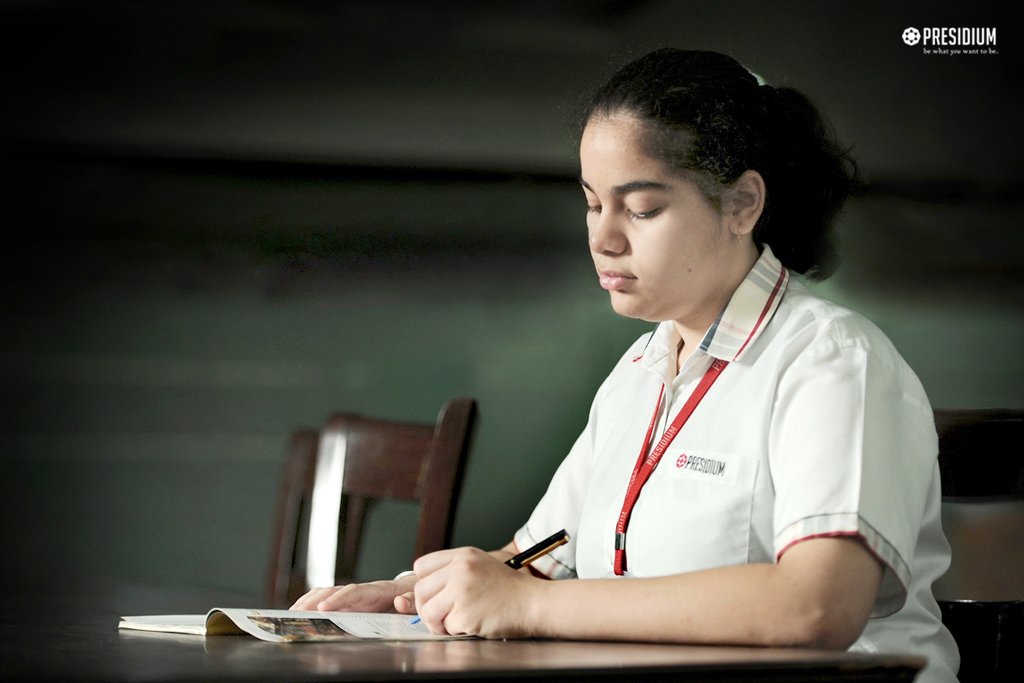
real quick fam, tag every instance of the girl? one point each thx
(763, 464)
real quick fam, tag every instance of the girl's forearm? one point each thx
(820, 597)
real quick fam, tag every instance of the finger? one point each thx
(431, 562)
(435, 570)
(428, 600)
(427, 587)
(310, 599)
(405, 603)
(332, 601)
(353, 597)
(434, 611)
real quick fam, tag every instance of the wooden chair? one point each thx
(381, 459)
(981, 459)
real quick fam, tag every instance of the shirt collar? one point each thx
(741, 321)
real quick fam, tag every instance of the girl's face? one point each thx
(661, 249)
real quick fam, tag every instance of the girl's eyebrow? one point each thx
(634, 186)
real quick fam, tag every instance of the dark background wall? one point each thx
(222, 220)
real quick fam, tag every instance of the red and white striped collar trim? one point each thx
(741, 321)
(751, 307)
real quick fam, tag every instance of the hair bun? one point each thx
(769, 96)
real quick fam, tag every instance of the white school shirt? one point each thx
(816, 427)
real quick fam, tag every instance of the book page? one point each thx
(192, 624)
(286, 626)
(292, 626)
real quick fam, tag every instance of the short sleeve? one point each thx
(562, 504)
(852, 451)
(559, 508)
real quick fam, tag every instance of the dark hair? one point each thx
(705, 115)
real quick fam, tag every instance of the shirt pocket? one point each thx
(694, 513)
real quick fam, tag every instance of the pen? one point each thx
(530, 554)
(540, 550)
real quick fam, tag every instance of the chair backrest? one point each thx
(981, 460)
(381, 458)
(981, 455)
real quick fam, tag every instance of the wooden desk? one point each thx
(83, 643)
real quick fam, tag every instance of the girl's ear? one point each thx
(743, 203)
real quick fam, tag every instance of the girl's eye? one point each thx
(642, 215)
(593, 208)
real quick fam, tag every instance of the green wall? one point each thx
(155, 362)
(223, 222)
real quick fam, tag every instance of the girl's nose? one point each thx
(606, 236)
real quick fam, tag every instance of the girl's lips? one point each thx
(613, 281)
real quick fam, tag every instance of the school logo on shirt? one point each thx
(699, 464)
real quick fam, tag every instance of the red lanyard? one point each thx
(645, 463)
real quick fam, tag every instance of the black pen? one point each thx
(537, 551)
(529, 555)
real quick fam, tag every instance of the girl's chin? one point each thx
(628, 308)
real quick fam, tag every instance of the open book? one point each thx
(286, 626)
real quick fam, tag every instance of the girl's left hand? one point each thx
(465, 591)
